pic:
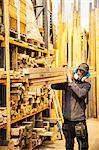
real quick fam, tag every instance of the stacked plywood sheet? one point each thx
(31, 26)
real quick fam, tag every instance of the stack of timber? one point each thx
(25, 61)
(33, 34)
(27, 136)
(27, 99)
(21, 136)
(37, 68)
(40, 75)
(49, 75)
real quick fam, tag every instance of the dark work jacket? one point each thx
(74, 95)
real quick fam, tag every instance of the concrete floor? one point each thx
(93, 130)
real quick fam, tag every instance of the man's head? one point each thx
(84, 68)
(81, 72)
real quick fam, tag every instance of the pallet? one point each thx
(36, 43)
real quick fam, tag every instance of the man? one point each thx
(74, 105)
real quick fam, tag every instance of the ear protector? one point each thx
(77, 77)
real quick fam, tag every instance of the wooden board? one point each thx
(22, 28)
(12, 11)
(6, 20)
(23, 17)
(97, 58)
(13, 24)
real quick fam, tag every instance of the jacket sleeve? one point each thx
(59, 86)
(80, 92)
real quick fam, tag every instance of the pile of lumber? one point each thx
(21, 136)
(24, 61)
(25, 100)
(48, 75)
(27, 136)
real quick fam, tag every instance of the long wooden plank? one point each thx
(46, 75)
(55, 95)
(6, 21)
(50, 80)
(58, 77)
(97, 57)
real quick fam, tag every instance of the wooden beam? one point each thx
(97, 58)
(6, 22)
(92, 38)
(14, 58)
(70, 34)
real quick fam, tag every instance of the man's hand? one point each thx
(70, 76)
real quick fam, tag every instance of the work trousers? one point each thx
(78, 130)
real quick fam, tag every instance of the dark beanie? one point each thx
(84, 67)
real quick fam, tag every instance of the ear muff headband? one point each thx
(85, 77)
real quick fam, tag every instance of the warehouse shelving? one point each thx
(26, 45)
(24, 117)
(22, 44)
(6, 41)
